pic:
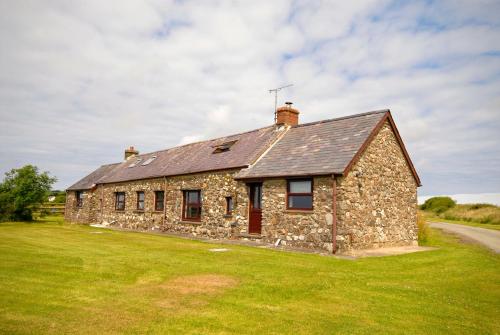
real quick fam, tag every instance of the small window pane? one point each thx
(300, 201)
(120, 201)
(193, 197)
(159, 197)
(229, 205)
(192, 205)
(79, 198)
(257, 197)
(192, 212)
(300, 186)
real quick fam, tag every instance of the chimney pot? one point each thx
(287, 115)
(130, 152)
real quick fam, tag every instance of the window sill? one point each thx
(196, 223)
(228, 216)
(140, 211)
(158, 212)
(299, 211)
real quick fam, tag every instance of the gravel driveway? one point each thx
(487, 237)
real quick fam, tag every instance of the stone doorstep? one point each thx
(252, 236)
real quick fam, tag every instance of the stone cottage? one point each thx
(336, 185)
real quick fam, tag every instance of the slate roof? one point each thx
(91, 180)
(190, 158)
(317, 148)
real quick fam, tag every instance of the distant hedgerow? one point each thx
(438, 204)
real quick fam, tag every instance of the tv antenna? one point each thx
(275, 91)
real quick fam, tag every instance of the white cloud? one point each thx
(81, 81)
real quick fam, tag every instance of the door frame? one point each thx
(250, 205)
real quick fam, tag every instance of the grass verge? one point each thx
(431, 217)
(57, 278)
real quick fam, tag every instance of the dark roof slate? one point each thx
(92, 179)
(318, 148)
(186, 159)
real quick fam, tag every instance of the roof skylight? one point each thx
(226, 146)
(137, 161)
(149, 160)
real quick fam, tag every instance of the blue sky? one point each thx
(81, 81)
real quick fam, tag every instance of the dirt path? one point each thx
(487, 237)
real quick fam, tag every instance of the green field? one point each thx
(59, 278)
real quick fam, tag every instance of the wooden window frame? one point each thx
(139, 201)
(185, 206)
(162, 201)
(117, 194)
(79, 199)
(229, 209)
(288, 194)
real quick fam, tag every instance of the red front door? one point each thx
(255, 222)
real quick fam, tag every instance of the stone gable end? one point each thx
(377, 200)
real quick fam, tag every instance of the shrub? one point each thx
(438, 204)
(22, 191)
(479, 206)
(423, 229)
(481, 213)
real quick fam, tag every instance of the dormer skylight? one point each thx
(226, 146)
(149, 160)
(137, 161)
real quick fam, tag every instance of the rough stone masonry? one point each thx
(359, 186)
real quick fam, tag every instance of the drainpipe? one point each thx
(102, 203)
(164, 201)
(334, 214)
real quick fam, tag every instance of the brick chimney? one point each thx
(287, 115)
(130, 152)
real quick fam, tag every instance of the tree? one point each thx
(22, 191)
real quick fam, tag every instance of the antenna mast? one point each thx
(275, 91)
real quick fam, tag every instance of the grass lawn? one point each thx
(433, 218)
(59, 278)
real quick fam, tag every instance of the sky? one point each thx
(82, 80)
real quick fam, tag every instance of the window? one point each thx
(120, 201)
(140, 201)
(137, 161)
(192, 206)
(226, 146)
(229, 205)
(149, 160)
(159, 200)
(299, 194)
(79, 198)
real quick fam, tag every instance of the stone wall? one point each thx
(377, 200)
(215, 187)
(214, 223)
(298, 228)
(85, 214)
(131, 218)
(376, 205)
